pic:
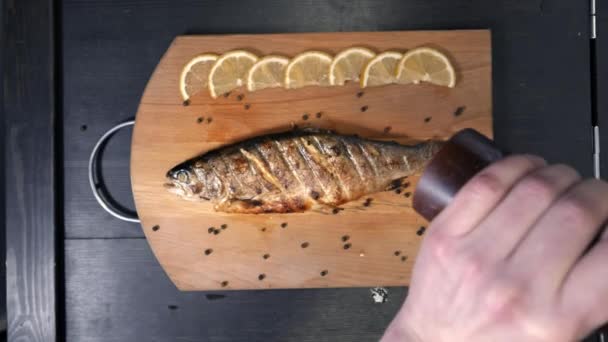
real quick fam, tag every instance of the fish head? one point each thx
(182, 181)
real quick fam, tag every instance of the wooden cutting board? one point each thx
(361, 245)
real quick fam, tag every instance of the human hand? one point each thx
(507, 260)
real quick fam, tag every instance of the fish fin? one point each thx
(279, 205)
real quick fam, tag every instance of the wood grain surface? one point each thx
(29, 116)
(2, 198)
(354, 247)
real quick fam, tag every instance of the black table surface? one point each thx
(111, 288)
(601, 74)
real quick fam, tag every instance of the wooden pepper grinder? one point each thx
(463, 156)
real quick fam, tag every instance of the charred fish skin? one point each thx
(292, 172)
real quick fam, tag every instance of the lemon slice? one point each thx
(426, 65)
(195, 75)
(347, 65)
(268, 72)
(307, 69)
(381, 69)
(230, 71)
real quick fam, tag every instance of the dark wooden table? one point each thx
(75, 68)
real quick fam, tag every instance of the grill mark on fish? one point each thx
(290, 166)
(317, 159)
(263, 171)
(272, 169)
(304, 172)
(369, 159)
(330, 167)
(278, 166)
(230, 168)
(254, 171)
(388, 161)
(352, 158)
(318, 145)
(300, 144)
(224, 189)
(406, 162)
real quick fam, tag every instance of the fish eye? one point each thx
(182, 176)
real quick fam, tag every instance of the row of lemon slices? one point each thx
(221, 74)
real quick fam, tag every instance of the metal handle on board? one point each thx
(96, 186)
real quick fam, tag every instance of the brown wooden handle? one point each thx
(464, 155)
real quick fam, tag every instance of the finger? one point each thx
(508, 224)
(483, 192)
(585, 290)
(563, 233)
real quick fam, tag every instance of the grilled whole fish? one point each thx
(294, 171)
